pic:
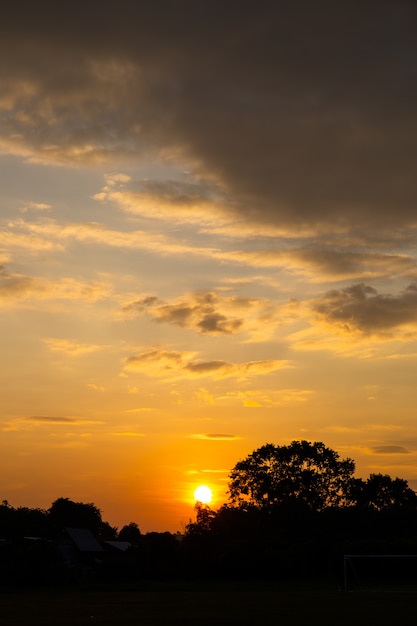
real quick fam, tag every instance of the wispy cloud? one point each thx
(187, 201)
(256, 398)
(76, 421)
(389, 449)
(54, 419)
(27, 290)
(13, 238)
(50, 232)
(271, 398)
(35, 206)
(128, 434)
(95, 387)
(71, 348)
(214, 437)
(175, 364)
(314, 261)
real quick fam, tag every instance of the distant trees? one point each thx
(64, 512)
(380, 492)
(303, 472)
(27, 522)
(130, 533)
(23, 522)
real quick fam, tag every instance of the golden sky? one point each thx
(208, 242)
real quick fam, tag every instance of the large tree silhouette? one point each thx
(64, 512)
(309, 474)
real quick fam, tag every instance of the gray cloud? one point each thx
(139, 306)
(206, 367)
(204, 312)
(361, 307)
(173, 364)
(303, 112)
(343, 262)
(217, 323)
(47, 419)
(180, 193)
(390, 450)
(178, 314)
(18, 287)
(15, 284)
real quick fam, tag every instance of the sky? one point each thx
(208, 228)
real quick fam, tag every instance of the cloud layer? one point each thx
(174, 364)
(302, 112)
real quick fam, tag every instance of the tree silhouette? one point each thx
(204, 517)
(131, 533)
(64, 512)
(23, 522)
(302, 473)
(380, 492)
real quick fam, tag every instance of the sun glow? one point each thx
(203, 494)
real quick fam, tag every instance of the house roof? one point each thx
(84, 539)
(119, 545)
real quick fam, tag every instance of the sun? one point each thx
(203, 494)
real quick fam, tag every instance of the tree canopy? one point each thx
(130, 532)
(380, 492)
(65, 512)
(309, 473)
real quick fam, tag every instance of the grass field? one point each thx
(227, 604)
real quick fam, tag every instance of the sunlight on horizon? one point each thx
(203, 494)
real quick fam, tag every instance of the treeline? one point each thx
(22, 522)
(37, 547)
(293, 511)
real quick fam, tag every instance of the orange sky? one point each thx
(208, 243)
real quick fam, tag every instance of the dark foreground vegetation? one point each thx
(205, 605)
(294, 512)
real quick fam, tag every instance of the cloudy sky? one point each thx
(208, 243)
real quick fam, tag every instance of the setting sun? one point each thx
(203, 494)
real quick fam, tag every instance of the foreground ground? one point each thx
(229, 605)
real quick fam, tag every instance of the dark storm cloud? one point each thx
(361, 307)
(303, 112)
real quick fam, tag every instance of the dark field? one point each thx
(227, 605)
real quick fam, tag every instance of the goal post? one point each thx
(389, 572)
